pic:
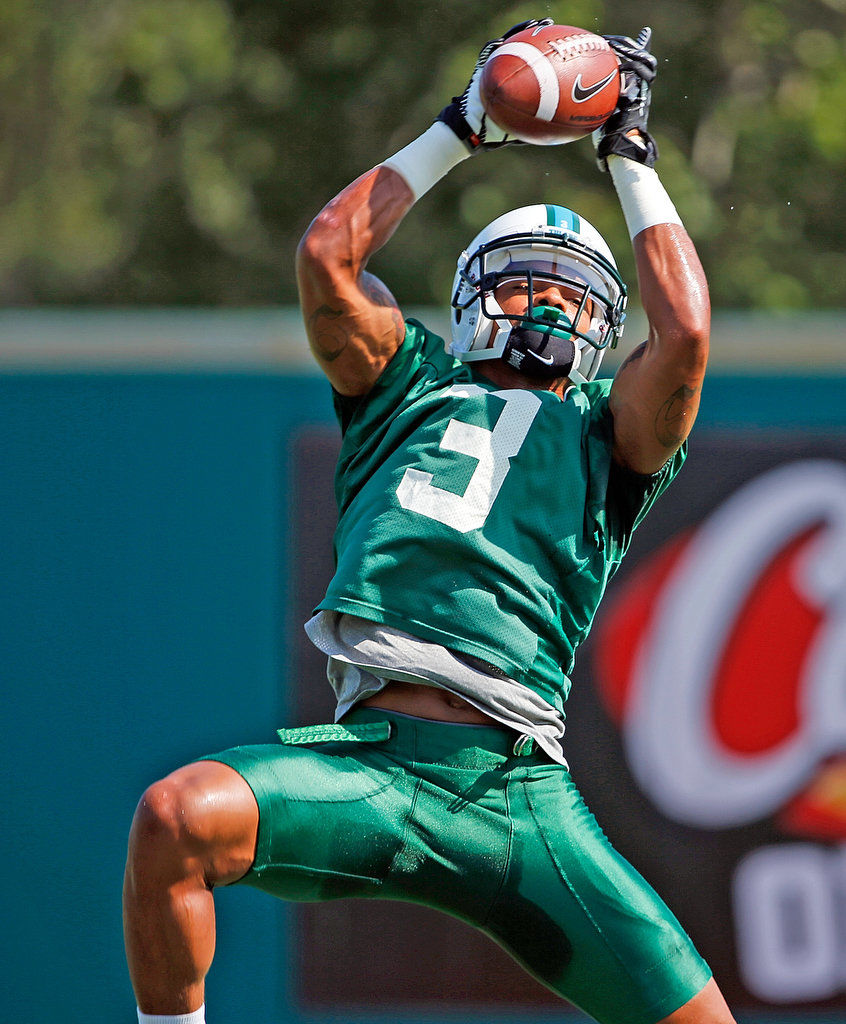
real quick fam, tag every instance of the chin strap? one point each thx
(543, 346)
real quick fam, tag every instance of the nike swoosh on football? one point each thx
(580, 94)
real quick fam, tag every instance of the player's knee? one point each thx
(202, 820)
(169, 817)
(156, 822)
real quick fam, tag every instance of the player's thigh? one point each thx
(579, 916)
(332, 817)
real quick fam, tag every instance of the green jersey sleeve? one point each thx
(421, 358)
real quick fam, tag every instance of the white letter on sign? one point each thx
(785, 918)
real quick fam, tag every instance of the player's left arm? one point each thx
(655, 395)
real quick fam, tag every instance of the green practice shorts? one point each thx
(448, 816)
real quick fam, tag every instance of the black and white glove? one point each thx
(466, 116)
(624, 133)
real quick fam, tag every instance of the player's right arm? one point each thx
(353, 323)
(354, 326)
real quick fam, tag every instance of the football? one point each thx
(551, 84)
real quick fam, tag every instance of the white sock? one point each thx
(197, 1017)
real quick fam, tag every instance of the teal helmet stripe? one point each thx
(560, 217)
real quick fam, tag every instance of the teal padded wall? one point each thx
(144, 558)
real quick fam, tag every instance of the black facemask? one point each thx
(542, 346)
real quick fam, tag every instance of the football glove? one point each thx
(466, 116)
(624, 133)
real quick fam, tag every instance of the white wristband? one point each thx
(425, 161)
(642, 196)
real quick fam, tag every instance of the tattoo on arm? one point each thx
(672, 421)
(329, 329)
(376, 291)
(328, 337)
(379, 295)
(399, 325)
(636, 353)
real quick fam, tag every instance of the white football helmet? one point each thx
(550, 243)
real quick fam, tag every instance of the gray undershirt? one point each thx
(365, 656)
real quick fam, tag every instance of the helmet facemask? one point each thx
(542, 342)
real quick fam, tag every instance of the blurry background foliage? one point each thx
(173, 151)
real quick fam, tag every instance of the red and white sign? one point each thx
(723, 660)
(725, 657)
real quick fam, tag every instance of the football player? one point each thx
(487, 492)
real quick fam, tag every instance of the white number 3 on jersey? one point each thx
(492, 449)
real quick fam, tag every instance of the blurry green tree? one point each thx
(173, 151)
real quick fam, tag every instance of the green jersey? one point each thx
(485, 520)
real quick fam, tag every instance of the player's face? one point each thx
(512, 296)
